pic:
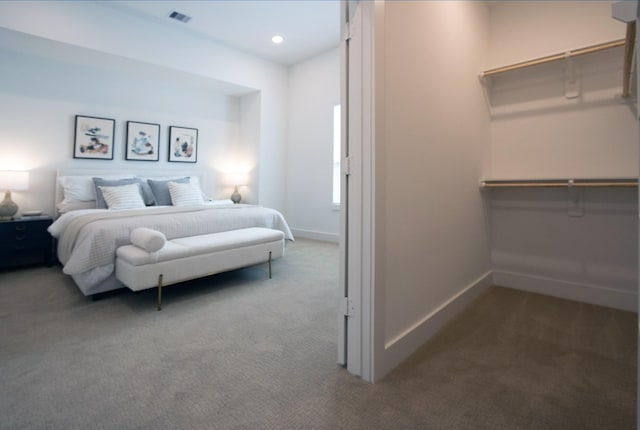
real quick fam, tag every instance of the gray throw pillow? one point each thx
(161, 189)
(147, 195)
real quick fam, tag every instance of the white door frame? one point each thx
(356, 319)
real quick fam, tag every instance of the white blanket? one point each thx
(89, 239)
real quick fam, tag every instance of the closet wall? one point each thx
(432, 132)
(562, 120)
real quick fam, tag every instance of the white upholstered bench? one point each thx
(153, 261)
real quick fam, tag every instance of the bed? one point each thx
(88, 236)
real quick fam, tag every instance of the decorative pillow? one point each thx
(185, 194)
(81, 188)
(147, 195)
(148, 239)
(123, 197)
(161, 189)
(196, 181)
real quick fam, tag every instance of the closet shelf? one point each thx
(561, 183)
(629, 49)
(555, 57)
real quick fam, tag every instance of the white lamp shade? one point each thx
(236, 178)
(14, 180)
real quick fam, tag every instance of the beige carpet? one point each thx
(240, 351)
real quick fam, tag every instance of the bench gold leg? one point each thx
(160, 292)
(269, 264)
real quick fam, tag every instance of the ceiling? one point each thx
(309, 27)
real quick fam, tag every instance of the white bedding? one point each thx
(88, 239)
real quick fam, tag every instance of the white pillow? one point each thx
(148, 239)
(185, 194)
(82, 188)
(123, 197)
(77, 189)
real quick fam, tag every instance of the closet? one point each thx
(560, 186)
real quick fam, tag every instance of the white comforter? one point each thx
(88, 239)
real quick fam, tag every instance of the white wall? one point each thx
(538, 246)
(523, 30)
(538, 133)
(314, 89)
(431, 240)
(42, 96)
(115, 38)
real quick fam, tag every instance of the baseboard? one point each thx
(402, 346)
(594, 294)
(315, 235)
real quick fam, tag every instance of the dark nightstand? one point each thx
(25, 241)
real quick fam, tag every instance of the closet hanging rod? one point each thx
(556, 57)
(604, 183)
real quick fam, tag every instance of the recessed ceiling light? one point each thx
(277, 39)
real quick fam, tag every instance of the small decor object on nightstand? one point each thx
(11, 180)
(236, 179)
(235, 196)
(32, 213)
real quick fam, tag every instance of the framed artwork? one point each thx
(143, 141)
(183, 144)
(93, 138)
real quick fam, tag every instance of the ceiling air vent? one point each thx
(179, 16)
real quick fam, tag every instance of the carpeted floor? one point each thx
(240, 351)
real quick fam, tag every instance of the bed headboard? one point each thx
(203, 176)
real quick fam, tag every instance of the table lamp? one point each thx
(236, 179)
(11, 180)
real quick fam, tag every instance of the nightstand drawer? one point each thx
(25, 241)
(23, 245)
(24, 230)
(28, 256)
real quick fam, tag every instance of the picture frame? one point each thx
(143, 141)
(93, 137)
(183, 144)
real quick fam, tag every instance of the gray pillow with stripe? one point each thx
(161, 189)
(147, 195)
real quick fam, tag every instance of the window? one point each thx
(336, 155)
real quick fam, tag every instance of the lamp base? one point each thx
(235, 197)
(7, 207)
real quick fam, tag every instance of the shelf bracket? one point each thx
(574, 200)
(571, 81)
(485, 81)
